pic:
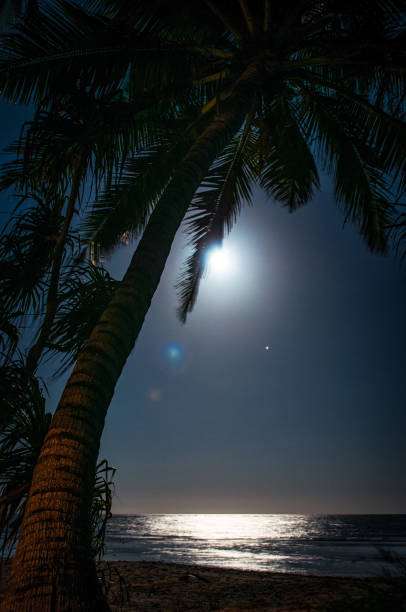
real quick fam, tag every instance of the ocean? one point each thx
(329, 545)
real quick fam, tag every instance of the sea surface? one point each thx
(329, 545)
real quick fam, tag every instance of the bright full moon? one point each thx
(219, 260)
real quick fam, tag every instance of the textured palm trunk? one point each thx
(52, 568)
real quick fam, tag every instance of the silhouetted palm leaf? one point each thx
(14, 390)
(214, 210)
(26, 249)
(123, 208)
(289, 173)
(101, 505)
(12, 10)
(86, 291)
(64, 43)
(21, 438)
(9, 335)
(102, 132)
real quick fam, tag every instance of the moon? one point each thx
(219, 260)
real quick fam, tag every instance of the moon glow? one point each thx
(219, 260)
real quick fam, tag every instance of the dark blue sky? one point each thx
(315, 424)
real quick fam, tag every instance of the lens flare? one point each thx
(154, 395)
(173, 353)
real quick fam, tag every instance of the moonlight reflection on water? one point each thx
(230, 526)
(304, 544)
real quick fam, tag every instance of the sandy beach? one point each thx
(164, 587)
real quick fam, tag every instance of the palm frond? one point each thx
(397, 227)
(289, 173)
(48, 53)
(9, 335)
(26, 253)
(86, 291)
(15, 390)
(214, 209)
(21, 438)
(101, 132)
(101, 506)
(399, 234)
(351, 152)
(64, 44)
(123, 208)
(381, 127)
(11, 10)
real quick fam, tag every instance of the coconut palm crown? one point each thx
(316, 99)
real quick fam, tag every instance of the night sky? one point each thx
(205, 419)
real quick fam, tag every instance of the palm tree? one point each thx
(55, 156)
(293, 80)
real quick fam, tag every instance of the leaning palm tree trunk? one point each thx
(53, 568)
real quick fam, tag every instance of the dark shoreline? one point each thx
(168, 587)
